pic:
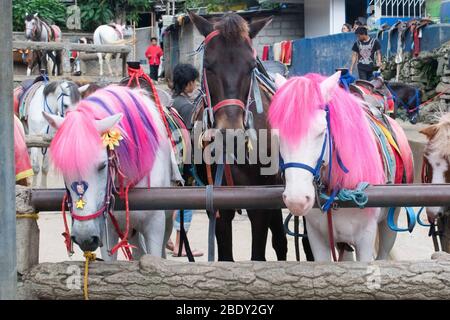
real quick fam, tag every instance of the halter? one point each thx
(61, 111)
(106, 208)
(206, 97)
(316, 171)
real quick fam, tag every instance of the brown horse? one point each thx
(228, 64)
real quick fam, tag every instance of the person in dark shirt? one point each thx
(184, 77)
(365, 51)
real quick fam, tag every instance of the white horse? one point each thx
(309, 110)
(145, 156)
(108, 34)
(54, 98)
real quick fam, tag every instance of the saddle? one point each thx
(384, 27)
(387, 146)
(415, 27)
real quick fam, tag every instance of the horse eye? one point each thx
(102, 166)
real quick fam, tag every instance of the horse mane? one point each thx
(293, 109)
(74, 94)
(77, 144)
(232, 27)
(441, 140)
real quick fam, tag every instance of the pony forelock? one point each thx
(76, 145)
(77, 142)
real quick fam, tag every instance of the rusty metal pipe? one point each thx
(252, 197)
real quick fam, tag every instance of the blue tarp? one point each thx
(325, 54)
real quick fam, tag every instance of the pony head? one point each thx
(31, 25)
(437, 158)
(61, 96)
(85, 172)
(80, 152)
(231, 46)
(299, 114)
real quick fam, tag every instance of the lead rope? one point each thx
(89, 256)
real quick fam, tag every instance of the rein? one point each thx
(433, 232)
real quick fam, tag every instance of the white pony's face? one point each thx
(437, 162)
(299, 193)
(88, 193)
(62, 96)
(30, 27)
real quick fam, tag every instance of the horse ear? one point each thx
(107, 123)
(279, 80)
(54, 120)
(203, 26)
(430, 131)
(328, 86)
(35, 15)
(82, 89)
(257, 26)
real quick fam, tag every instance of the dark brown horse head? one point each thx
(228, 62)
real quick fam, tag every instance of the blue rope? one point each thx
(358, 196)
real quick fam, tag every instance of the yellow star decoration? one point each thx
(111, 138)
(80, 204)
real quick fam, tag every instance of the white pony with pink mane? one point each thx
(298, 111)
(85, 142)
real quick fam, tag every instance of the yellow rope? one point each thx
(89, 256)
(33, 215)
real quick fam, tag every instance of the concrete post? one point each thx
(8, 268)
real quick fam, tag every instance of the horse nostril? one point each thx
(74, 240)
(95, 240)
(308, 198)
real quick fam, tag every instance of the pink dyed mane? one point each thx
(77, 144)
(293, 109)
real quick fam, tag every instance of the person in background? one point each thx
(154, 54)
(184, 78)
(366, 51)
(356, 25)
(346, 27)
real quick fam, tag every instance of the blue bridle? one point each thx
(49, 110)
(320, 161)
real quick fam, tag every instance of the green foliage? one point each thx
(94, 13)
(98, 12)
(52, 11)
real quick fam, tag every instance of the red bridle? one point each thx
(226, 102)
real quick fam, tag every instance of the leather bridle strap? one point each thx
(209, 37)
(227, 103)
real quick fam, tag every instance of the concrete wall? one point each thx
(287, 26)
(325, 54)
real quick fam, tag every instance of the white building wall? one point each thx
(323, 17)
(337, 15)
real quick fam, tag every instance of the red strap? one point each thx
(331, 234)
(89, 217)
(211, 35)
(229, 102)
(66, 233)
